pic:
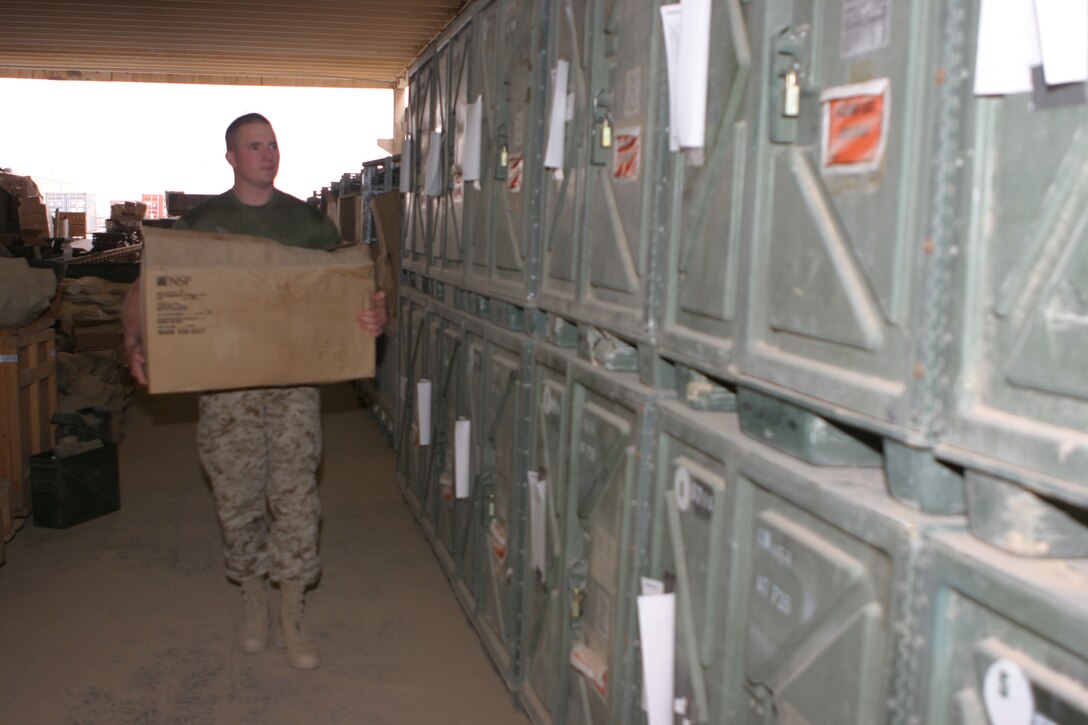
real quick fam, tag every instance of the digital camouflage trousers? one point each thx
(261, 449)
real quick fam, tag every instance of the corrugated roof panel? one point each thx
(358, 43)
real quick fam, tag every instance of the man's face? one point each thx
(255, 157)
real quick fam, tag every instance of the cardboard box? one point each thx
(179, 203)
(227, 311)
(386, 211)
(107, 336)
(77, 223)
(351, 217)
(128, 211)
(35, 226)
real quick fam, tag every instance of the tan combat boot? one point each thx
(301, 650)
(253, 632)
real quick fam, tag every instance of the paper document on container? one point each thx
(474, 118)
(1008, 47)
(1063, 37)
(423, 411)
(695, 67)
(557, 120)
(538, 513)
(657, 627)
(686, 26)
(406, 166)
(230, 311)
(462, 459)
(433, 181)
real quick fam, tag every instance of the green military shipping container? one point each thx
(454, 65)
(499, 378)
(544, 671)
(796, 584)
(1007, 637)
(840, 190)
(416, 362)
(1020, 406)
(445, 517)
(705, 203)
(502, 212)
(420, 208)
(601, 179)
(608, 494)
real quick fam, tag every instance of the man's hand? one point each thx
(133, 337)
(373, 319)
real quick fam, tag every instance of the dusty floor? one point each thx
(129, 619)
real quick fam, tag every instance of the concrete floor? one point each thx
(129, 619)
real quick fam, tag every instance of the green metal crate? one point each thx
(419, 208)
(796, 584)
(601, 244)
(454, 61)
(842, 304)
(501, 215)
(444, 516)
(1020, 404)
(416, 364)
(1011, 619)
(699, 312)
(607, 518)
(543, 670)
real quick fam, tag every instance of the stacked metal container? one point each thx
(817, 377)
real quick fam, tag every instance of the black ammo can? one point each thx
(68, 491)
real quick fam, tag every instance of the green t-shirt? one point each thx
(284, 218)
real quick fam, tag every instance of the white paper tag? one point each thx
(557, 119)
(1007, 47)
(423, 411)
(1063, 37)
(538, 513)
(695, 70)
(433, 183)
(1007, 694)
(406, 166)
(470, 164)
(462, 441)
(657, 633)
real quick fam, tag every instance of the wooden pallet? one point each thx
(28, 399)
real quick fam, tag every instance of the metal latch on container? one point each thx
(577, 602)
(602, 131)
(764, 702)
(490, 506)
(790, 49)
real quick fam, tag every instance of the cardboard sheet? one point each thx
(229, 311)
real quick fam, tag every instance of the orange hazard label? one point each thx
(625, 164)
(513, 174)
(855, 125)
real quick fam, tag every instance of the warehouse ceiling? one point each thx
(342, 43)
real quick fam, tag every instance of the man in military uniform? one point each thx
(261, 447)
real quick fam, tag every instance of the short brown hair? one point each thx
(232, 129)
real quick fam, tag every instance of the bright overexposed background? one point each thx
(121, 140)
